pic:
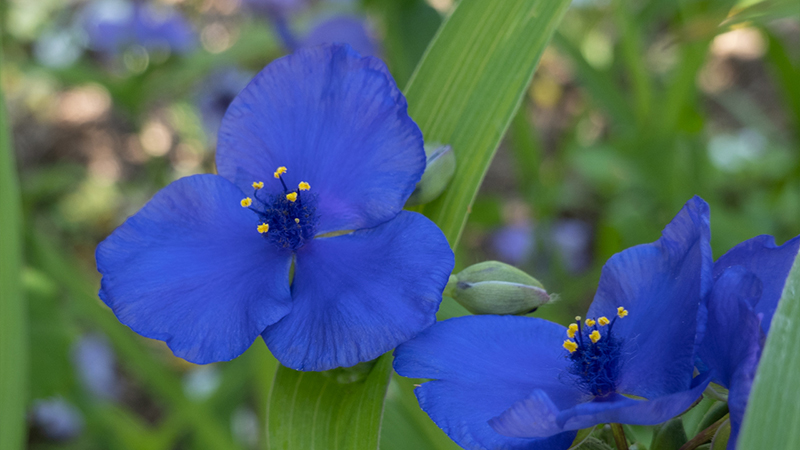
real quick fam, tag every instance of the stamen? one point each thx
(594, 336)
(280, 171)
(603, 321)
(570, 346)
(258, 184)
(622, 312)
(296, 220)
(571, 330)
(291, 196)
(263, 228)
(303, 186)
(590, 322)
(247, 201)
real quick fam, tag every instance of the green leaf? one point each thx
(773, 410)
(334, 410)
(13, 327)
(469, 85)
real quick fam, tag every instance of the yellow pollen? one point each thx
(258, 184)
(303, 186)
(572, 329)
(589, 322)
(291, 196)
(577, 318)
(296, 220)
(594, 336)
(263, 228)
(622, 312)
(570, 346)
(247, 201)
(603, 321)
(280, 171)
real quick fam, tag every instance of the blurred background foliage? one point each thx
(636, 106)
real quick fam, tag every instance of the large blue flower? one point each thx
(316, 158)
(525, 383)
(748, 282)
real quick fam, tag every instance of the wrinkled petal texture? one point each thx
(661, 285)
(359, 295)
(481, 366)
(190, 269)
(769, 262)
(537, 415)
(338, 122)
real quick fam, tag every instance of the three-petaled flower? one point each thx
(748, 282)
(526, 383)
(316, 158)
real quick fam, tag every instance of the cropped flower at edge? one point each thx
(526, 383)
(748, 282)
(316, 158)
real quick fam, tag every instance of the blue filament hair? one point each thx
(291, 223)
(596, 366)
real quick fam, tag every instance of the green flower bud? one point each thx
(439, 170)
(492, 287)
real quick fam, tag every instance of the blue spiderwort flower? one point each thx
(113, 25)
(316, 158)
(526, 383)
(748, 282)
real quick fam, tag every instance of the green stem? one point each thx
(619, 436)
(705, 435)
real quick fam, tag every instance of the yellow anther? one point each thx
(622, 312)
(258, 184)
(291, 196)
(296, 220)
(577, 318)
(570, 346)
(247, 201)
(280, 171)
(603, 321)
(263, 228)
(572, 329)
(303, 186)
(594, 336)
(590, 322)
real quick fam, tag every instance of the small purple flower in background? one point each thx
(216, 93)
(316, 158)
(515, 243)
(526, 383)
(573, 239)
(114, 25)
(343, 29)
(748, 282)
(95, 363)
(57, 419)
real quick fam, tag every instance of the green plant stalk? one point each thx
(619, 436)
(705, 435)
(13, 312)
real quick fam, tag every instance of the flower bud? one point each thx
(439, 170)
(492, 287)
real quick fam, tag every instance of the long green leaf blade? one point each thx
(13, 336)
(773, 411)
(470, 83)
(326, 410)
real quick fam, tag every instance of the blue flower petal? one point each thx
(336, 121)
(481, 366)
(518, 420)
(190, 269)
(358, 295)
(661, 285)
(769, 262)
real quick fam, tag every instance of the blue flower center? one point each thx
(288, 219)
(594, 353)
